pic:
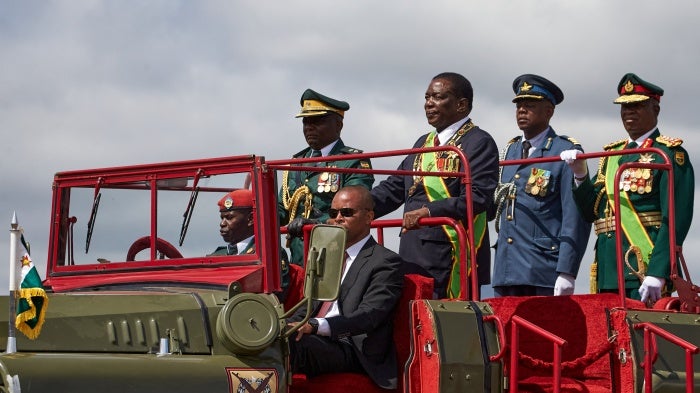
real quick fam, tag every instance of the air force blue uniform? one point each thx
(541, 232)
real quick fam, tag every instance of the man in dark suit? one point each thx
(354, 333)
(448, 102)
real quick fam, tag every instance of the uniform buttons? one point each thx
(554, 248)
(510, 240)
(517, 176)
(509, 218)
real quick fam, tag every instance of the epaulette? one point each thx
(517, 138)
(570, 139)
(668, 141)
(350, 150)
(615, 144)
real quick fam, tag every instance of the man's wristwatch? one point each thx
(314, 325)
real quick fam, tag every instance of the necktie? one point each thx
(231, 249)
(526, 149)
(632, 145)
(326, 306)
(436, 141)
(315, 153)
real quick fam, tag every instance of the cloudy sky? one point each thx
(103, 83)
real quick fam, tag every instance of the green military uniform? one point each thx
(309, 194)
(644, 198)
(224, 250)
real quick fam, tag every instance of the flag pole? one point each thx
(14, 236)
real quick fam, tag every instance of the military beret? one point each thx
(236, 199)
(316, 104)
(635, 89)
(536, 87)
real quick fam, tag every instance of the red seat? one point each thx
(415, 287)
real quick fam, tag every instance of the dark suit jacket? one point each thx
(368, 296)
(429, 247)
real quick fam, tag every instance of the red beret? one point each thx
(236, 199)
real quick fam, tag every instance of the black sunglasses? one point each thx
(345, 212)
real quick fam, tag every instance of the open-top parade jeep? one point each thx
(137, 304)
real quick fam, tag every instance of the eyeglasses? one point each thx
(345, 212)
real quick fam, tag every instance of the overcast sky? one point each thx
(93, 84)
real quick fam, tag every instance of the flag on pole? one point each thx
(31, 301)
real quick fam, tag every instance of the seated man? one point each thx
(236, 225)
(354, 333)
(237, 229)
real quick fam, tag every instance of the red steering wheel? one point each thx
(163, 247)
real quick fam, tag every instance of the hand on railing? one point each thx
(651, 289)
(296, 227)
(577, 166)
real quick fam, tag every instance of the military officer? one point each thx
(643, 197)
(237, 228)
(307, 196)
(236, 225)
(536, 254)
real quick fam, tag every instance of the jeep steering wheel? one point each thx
(162, 247)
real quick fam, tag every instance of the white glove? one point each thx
(651, 288)
(564, 285)
(577, 166)
(569, 155)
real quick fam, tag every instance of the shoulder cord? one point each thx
(503, 192)
(600, 181)
(291, 204)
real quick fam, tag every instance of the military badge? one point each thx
(242, 380)
(637, 180)
(538, 182)
(680, 158)
(322, 182)
(328, 182)
(447, 163)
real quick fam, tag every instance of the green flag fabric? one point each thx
(31, 301)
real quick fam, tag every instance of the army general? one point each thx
(307, 196)
(644, 196)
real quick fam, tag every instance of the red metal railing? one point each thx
(558, 342)
(465, 176)
(651, 331)
(667, 166)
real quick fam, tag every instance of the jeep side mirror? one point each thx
(324, 266)
(324, 269)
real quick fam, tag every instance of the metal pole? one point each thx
(14, 237)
